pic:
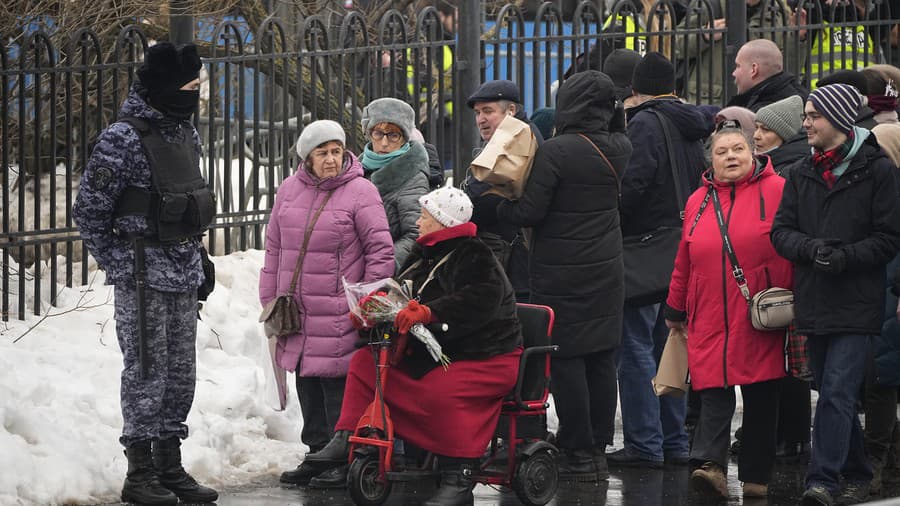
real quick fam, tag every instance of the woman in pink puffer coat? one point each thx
(350, 239)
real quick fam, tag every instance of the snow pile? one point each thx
(59, 395)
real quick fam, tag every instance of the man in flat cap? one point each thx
(141, 210)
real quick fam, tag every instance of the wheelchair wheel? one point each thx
(363, 484)
(536, 479)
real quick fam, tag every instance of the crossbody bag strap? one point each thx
(736, 270)
(296, 276)
(431, 274)
(605, 159)
(676, 180)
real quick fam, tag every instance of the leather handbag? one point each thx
(281, 316)
(770, 309)
(649, 258)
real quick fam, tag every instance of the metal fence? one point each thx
(263, 85)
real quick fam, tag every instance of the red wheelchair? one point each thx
(525, 464)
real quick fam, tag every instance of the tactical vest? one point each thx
(633, 38)
(446, 74)
(179, 204)
(846, 46)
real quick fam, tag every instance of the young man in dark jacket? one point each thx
(654, 426)
(839, 222)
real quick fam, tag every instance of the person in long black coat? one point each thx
(571, 202)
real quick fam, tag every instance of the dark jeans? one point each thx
(651, 425)
(838, 362)
(320, 405)
(584, 392)
(713, 433)
(794, 411)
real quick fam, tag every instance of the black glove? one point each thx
(810, 248)
(830, 260)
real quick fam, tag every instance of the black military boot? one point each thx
(167, 461)
(456, 483)
(336, 451)
(577, 465)
(141, 483)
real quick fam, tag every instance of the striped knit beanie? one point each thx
(839, 103)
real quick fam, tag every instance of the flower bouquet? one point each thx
(380, 301)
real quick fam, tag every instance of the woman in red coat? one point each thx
(724, 349)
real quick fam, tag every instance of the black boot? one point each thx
(336, 477)
(600, 463)
(302, 474)
(167, 460)
(456, 483)
(141, 483)
(337, 450)
(577, 465)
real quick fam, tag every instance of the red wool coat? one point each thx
(723, 347)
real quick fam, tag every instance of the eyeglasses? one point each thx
(391, 136)
(728, 123)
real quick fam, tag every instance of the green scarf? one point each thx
(372, 161)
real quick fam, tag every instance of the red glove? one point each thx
(412, 314)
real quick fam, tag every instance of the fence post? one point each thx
(468, 65)
(735, 37)
(181, 22)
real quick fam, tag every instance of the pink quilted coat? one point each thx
(350, 239)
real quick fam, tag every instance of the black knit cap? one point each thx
(169, 68)
(854, 78)
(654, 75)
(619, 66)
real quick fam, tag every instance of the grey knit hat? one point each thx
(839, 103)
(784, 117)
(317, 133)
(389, 110)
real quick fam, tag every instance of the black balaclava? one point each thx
(165, 70)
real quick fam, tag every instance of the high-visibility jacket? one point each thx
(446, 62)
(633, 40)
(840, 47)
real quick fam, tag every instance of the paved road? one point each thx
(631, 487)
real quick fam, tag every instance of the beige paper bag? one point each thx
(672, 376)
(505, 162)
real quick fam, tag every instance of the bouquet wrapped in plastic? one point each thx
(380, 301)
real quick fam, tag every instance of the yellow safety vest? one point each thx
(848, 44)
(632, 40)
(447, 66)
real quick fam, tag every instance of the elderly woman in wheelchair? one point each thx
(450, 413)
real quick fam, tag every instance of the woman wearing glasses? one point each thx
(396, 166)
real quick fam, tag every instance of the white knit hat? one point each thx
(449, 206)
(317, 133)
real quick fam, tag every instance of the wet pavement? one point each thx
(626, 486)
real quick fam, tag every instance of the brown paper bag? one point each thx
(672, 376)
(505, 162)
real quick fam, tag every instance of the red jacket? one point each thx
(723, 347)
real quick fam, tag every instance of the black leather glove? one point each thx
(831, 260)
(810, 248)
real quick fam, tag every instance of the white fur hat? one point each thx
(317, 133)
(449, 206)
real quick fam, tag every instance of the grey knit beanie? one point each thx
(784, 117)
(389, 110)
(317, 133)
(839, 103)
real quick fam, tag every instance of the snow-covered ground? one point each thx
(59, 395)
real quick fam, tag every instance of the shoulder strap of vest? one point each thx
(141, 125)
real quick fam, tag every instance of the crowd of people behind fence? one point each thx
(794, 186)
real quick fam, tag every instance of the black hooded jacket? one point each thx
(780, 86)
(862, 212)
(571, 201)
(784, 156)
(649, 199)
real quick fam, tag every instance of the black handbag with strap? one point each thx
(650, 257)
